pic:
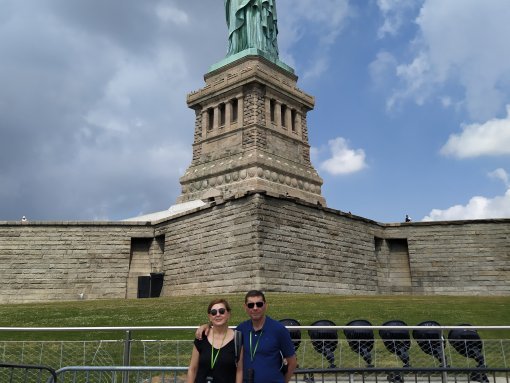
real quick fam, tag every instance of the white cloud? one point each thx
(476, 208)
(319, 67)
(501, 175)
(461, 43)
(106, 89)
(124, 105)
(394, 14)
(446, 101)
(344, 160)
(382, 67)
(488, 139)
(416, 77)
(322, 24)
(173, 15)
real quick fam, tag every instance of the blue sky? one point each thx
(412, 103)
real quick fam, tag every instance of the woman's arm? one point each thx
(239, 372)
(193, 366)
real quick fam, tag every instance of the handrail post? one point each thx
(444, 374)
(127, 356)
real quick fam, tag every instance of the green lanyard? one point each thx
(214, 358)
(254, 351)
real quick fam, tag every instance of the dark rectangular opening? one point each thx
(221, 110)
(144, 287)
(235, 107)
(272, 107)
(150, 286)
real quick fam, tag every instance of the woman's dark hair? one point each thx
(216, 301)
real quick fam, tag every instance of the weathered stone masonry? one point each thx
(61, 260)
(258, 241)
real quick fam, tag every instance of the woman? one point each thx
(214, 357)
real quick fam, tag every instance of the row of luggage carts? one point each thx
(430, 340)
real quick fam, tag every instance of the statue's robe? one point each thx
(252, 24)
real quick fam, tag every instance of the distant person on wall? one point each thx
(215, 357)
(252, 24)
(265, 342)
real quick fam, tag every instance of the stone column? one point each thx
(298, 124)
(278, 114)
(268, 112)
(216, 121)
(205, 123)
(240, 111)
(288, 119)
(228, 114)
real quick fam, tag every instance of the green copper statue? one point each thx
(252, 24)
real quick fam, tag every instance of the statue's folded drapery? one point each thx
(252, 24)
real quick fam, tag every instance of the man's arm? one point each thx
(291, 366)
(201, 330)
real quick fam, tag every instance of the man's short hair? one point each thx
(254, 293)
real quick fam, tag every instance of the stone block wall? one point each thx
(310, 249)
(256, 241)
(212, 251)
(306, 249)
(60, 261)
(458, 258)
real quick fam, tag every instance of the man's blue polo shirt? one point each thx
(263, 356)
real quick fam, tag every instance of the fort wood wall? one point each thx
(256, 241)
(60, 261)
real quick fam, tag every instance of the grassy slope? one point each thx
(190, 311)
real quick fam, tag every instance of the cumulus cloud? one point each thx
(343, 160)
(460, 44)
(416, 77)
(93, 93)
(477, 208)
(489, 139)
(93, 114)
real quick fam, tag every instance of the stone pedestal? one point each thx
(251, 134)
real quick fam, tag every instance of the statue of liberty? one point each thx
(252, 24)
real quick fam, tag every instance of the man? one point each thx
(265, 341)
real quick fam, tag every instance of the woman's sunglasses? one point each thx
(221, 311)
(253, 304)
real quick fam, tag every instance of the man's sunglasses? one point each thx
(253, 304)
(221, 311)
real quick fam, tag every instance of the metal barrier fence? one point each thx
(401, 375)
(19, 373)
(311, 353)
(121, 374)
(143, 374)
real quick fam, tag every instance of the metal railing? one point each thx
(401, 375)
(160, 374)
(25, 373)
(121, 374)
(127, 351)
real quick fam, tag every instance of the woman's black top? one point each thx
(225, 367)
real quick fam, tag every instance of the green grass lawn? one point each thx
(190, 311)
